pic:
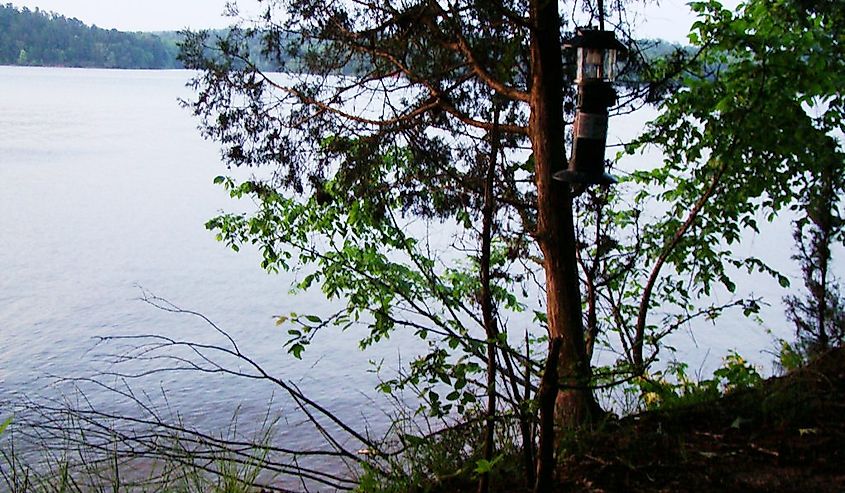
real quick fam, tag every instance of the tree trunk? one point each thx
(555, 229)
(487, 308)
(824, 222)
(573, 399)
(546, 396)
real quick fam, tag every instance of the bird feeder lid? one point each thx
(595, 38)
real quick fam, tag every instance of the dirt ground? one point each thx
(787, 435)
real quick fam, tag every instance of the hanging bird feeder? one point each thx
(597, 51)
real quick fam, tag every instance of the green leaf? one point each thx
(414, 441)
(483, 466)
(5, 424)
(296, 350)
(693, 38)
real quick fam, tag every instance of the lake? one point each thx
(105, 185)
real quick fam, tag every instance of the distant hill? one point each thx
(37, 37)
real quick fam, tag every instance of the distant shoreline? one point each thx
(134, 69)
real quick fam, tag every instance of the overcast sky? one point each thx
(669, 20)
(137, 15)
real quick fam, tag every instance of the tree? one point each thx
(425, 111)
(820, 317)
(437, 81)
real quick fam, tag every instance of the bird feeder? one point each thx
(597, 51)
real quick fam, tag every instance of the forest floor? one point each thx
(787, 434)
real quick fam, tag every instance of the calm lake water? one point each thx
(105, 185)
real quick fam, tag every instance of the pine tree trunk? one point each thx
(555, 228)
(573, 400)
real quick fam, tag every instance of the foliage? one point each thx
(427, 461)
(675, 388)
(362, 167)
(756, 116)
(364, 255)
(82, 470)
(790, 357)
(446, 460)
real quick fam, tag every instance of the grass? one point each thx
(80, 471)
(77, 459)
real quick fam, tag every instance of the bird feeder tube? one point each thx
(596, 58)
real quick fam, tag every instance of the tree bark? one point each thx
(573, 400)
(487, 308)
(555, 229)
(546, 396)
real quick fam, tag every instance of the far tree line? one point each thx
(48, 39)
(40, 38)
